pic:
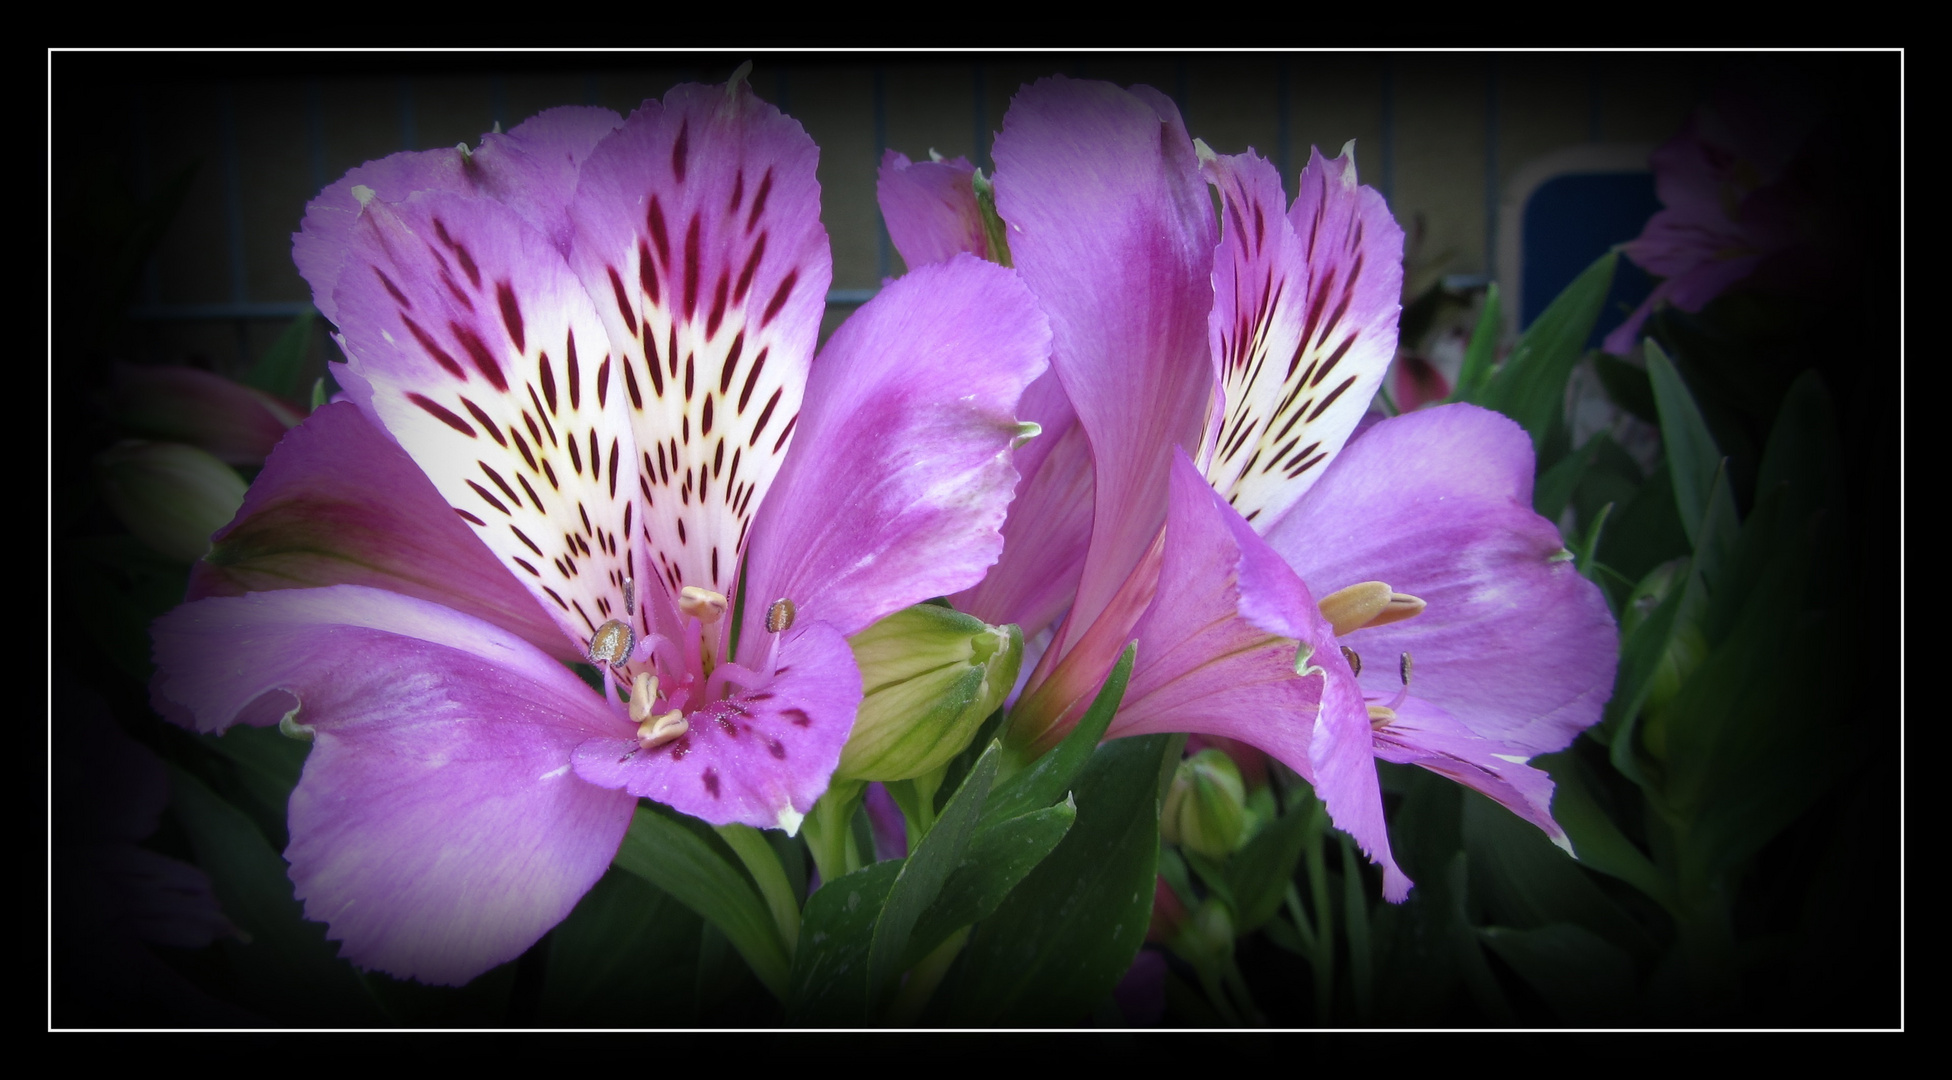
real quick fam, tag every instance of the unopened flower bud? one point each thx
(1206, 808)
(171, 496)
(1207, 937)
(929, 675)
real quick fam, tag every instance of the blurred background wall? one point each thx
(1442, 135)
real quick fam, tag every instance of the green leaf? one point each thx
(626, 957)
(278, 371)
(1531, 386)
(1258, 875)
(1525, 881)
(1692, 456)
(1596, 841)
(1481, 353)
(1064, 937)
(287, 971)
(924, 873)
(1641, 654)
(1584, 979)
(1627, 386)
(266, 766)
(998, 858)
(692, 864)
(829, 980)
(1044, 782)
(1803, 453)
(1355, 908)
(1556, 485)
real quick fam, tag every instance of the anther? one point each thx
(1401, 606)
(1351, 609)
(779, 617)
(1354, 659)
(1367, 604)
(643, 696)
(702, 604)
(1403, 668)
(612, 642)
(659, 730)
(1380, 717)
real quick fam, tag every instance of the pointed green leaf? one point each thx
(1596, 841)
(1064, 937)
(924, 873)
(1045, 781)
(1531, 386)
(694, 866)
(998, 858)
(829, 981)
(278, 371)
(1692, 456)
(1481, 353)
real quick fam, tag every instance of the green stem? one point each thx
(759, 857)
(830, 830)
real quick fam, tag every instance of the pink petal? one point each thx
(438, 829)
(902, 476)
(1438, 503)
(1422, 734)
(1218, 656)
(930, 208)
(1112, 227)
(339, 503)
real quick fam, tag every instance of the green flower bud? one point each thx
(1206, 939)
(1206, 808)
(930, 676)
(171, 496)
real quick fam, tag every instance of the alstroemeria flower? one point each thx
(1732, 208)
(585, 424)
(1256, 351)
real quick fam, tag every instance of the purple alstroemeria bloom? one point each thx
(1215, 376)
(1733, 207)
(585, 425)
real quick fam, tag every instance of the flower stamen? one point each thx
(1366, 604)
(643, 696)
(612, 643)
(707, 607)
(658, 730)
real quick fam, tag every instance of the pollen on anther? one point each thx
(1354, 659)
(779, 617)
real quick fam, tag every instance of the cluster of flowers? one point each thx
(583, 426)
